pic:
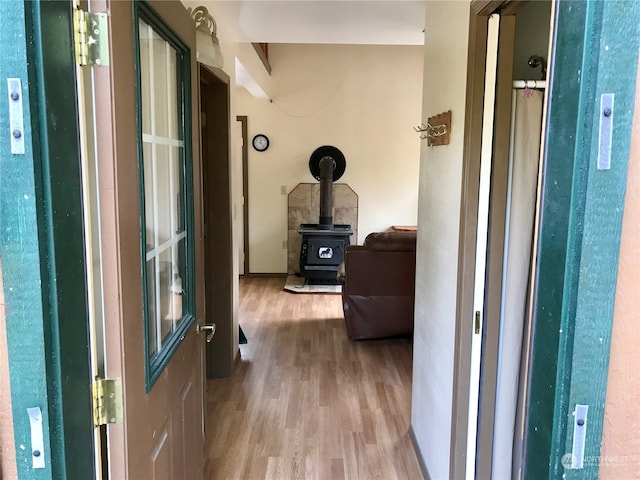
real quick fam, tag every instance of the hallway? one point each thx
(305, 401)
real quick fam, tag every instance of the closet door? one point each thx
(493, 291)
(484, 238)
(481, 240)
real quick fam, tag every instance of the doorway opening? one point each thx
(509, 44)
(218, 223)
(243, 225)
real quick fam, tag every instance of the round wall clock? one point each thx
(260, 142)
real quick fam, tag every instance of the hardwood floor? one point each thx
(305, 401)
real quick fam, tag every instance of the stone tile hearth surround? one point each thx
(304, 207)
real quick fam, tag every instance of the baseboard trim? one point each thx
(421, 463)
(269, 275)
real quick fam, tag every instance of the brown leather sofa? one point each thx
(378, 285)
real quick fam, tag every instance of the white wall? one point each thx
(361, 99)
(445, 62)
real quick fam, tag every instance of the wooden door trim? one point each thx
(477, 57)
(117, 140)
(222, 351)
(504, 7)
(243, 119)
(485, 8)
(108, 176)
(480, 10)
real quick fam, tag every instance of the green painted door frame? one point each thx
(595, 53)
(42, 243)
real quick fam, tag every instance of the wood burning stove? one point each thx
(323, 243)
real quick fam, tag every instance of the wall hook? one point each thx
(437, 129)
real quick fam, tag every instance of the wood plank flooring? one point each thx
(305, 401)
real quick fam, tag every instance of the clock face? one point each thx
(260, 142)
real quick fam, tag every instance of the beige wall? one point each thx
(620, 438)
(361, 99)
(445, 71)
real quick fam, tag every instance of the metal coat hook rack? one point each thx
(431, 131)
(437, 129)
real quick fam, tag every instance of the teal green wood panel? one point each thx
(595, 255)
(596, 51)
(581, 161)
(19, 250)
(41, 243)
(560, 145)
(61, 232)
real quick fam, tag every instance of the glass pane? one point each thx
(177, 174)
(172, 94)
(150, 192)
(178, 285)
(160, 92)
(151, 307)
(165, 206)
(182, 281)
(166, 293)
(145, 86)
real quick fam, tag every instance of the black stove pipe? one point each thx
(327, 165)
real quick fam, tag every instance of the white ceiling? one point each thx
(381, 22)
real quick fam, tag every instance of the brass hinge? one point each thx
(91, 38)
(107, 401)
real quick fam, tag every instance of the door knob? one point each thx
(210, 329)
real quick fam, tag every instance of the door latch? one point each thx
(210, 329)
